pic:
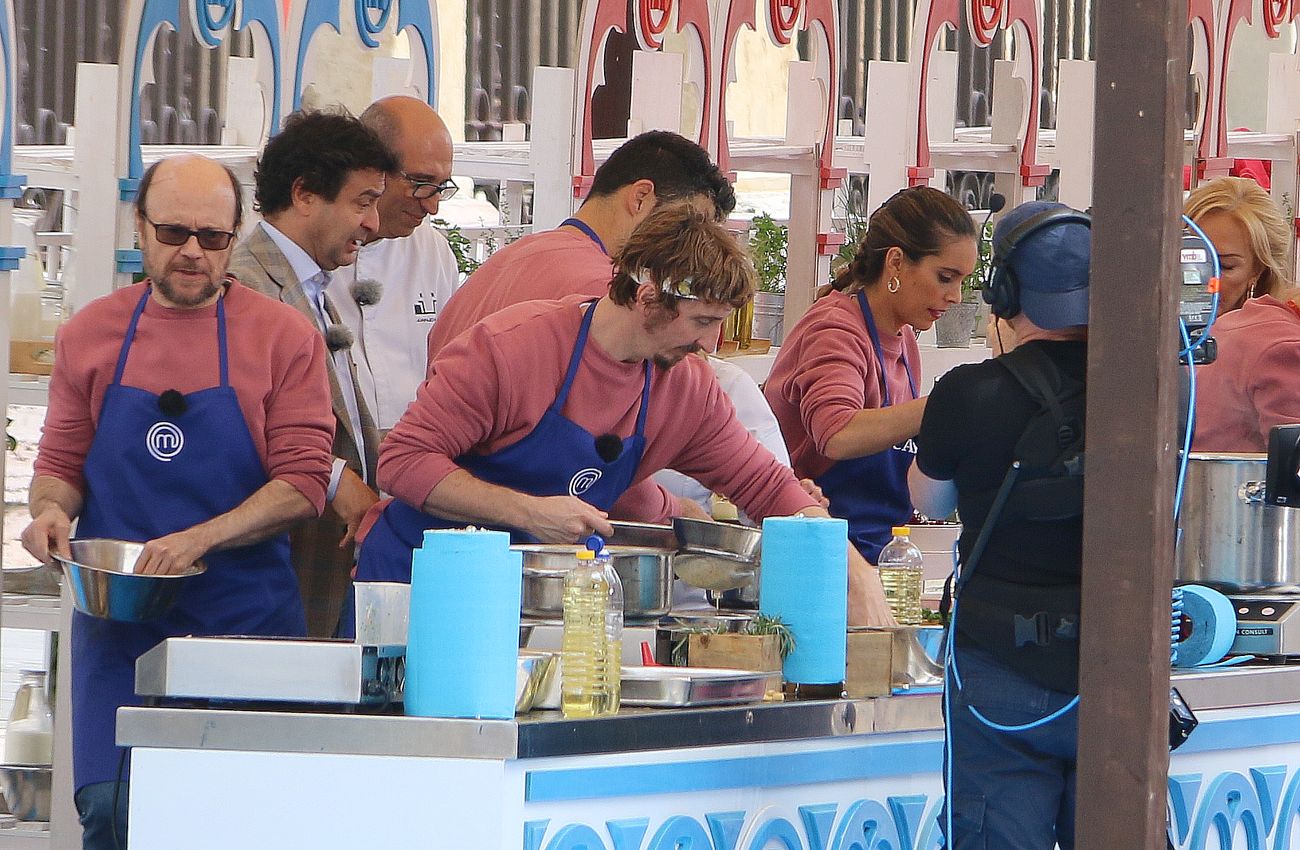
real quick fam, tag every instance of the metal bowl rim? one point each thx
(68, 563)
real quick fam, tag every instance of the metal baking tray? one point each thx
(683, 687)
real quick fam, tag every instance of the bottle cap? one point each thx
(586, 555)
(595, 543)
(901, 531)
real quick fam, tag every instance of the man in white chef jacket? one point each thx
(392, 295)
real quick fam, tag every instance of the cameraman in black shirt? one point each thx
(1002, 441)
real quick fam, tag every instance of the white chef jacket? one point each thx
(418, 274)
(753, 412)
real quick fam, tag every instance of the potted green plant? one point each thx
(767, 248)
(956, 326)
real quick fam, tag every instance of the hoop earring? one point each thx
(893, 285)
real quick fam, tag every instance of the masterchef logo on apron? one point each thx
(583, 481)
(164, 441)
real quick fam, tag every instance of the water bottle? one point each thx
(29, 737)
(613, 627)
(583, 647)
(902, 575)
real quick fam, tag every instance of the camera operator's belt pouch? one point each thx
(1033, 630)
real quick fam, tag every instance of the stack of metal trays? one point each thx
(683, 687)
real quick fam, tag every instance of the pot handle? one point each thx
(1251, 492)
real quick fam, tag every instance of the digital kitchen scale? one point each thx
(1266, 625)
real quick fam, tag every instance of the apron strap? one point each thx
(586, 229)
(880, 354)
(645, 403)
(130, 335)
(222, 356)
(576, 358)
(221, 341)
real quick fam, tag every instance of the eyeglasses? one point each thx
(424, 189)
(176, 234)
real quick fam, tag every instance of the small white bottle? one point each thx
(29, 737)
(902, 575)
(613, 683)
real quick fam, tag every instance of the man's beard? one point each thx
(668, 361)
(183, 299)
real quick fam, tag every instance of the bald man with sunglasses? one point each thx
(189, 413)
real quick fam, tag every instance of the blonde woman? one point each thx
(1251, 235)
(1254, 383)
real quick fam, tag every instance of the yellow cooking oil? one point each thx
(585, 688)
(900, 565)
(903, 587)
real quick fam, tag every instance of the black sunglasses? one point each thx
(424, 189)
(176, 234)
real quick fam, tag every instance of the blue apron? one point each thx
(140, 487)
(586, 229)
(871, 492)
(557, 458)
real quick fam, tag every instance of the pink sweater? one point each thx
(277, 368)
(490, 387)
(1255, 382)
(539, 267)
(827, 371)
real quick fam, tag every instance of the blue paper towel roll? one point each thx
(804, 581)
(463, 641)
(1213, 626)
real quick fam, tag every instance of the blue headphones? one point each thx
(1001, 289)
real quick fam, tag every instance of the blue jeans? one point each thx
(1009, 789)
(95, 808)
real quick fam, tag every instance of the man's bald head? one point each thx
(191, 170)
(421, 143)
(188, 209)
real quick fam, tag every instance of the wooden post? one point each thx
(1128, 534)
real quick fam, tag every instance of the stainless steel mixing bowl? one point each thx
(717, 556)
(646, 574)
(101, 576)
(26, 790)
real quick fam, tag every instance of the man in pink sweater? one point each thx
(1255, 382)
(538, 418)
(191, 414)
(574, 259)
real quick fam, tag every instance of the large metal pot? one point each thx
(647, 576)
(1231, 540)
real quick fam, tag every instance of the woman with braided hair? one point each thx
(845, 387)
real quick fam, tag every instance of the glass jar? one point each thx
(29, 737)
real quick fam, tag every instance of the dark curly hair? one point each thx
(678, 167)
(320, 148)
(919, 221)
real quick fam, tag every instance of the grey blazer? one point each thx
(324, 571)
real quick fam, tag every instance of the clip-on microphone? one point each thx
(609, 447)
(172, 403)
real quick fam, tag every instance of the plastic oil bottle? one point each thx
(584, 648)
(902, 575)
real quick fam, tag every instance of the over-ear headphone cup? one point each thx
(1002, 292)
